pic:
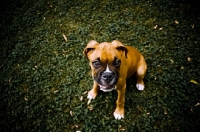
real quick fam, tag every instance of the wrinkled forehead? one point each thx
(105, 52)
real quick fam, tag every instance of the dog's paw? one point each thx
(118, 116)
(140, 87)
(91, 94)
(90, 97)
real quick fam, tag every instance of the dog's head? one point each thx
(105, 61)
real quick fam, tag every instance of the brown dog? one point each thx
(111, 64)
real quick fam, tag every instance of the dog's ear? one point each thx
(90, 47)
(119, 46)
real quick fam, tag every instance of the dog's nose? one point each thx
(107, 76)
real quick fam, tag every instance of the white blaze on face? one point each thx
(108, 69)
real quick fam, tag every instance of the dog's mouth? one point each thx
(107, 88)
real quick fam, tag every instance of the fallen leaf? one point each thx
(121, 128)
(195, 82)
(71, 113)
(165, 112)
(88, 101)
(90, 107)
(191, 109)
(189, 59)
(197, 104)
(65, 37)
(85, 92)
(193, 26)
(81, 98)
(176, 22)
(55, 91)
(182, 67)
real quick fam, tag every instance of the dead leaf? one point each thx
(176, 22)
(195, 82)
(81, 98)
(197, 104)
(65, 37)
(122, 128)
(182, 67)
(90, 107)
(88, 101)
(71, 113)
(189, 59)
(85, 92)
(165, 112)
(55, 91)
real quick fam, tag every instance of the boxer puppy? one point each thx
(111, 64)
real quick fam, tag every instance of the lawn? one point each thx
(44, 77)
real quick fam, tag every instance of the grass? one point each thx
(45, 78)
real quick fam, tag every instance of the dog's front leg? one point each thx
(119, 111)
(93, 92)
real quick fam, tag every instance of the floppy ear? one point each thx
(90, 47)
(119, 46)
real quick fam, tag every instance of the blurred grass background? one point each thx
(45, 78)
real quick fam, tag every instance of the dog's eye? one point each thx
(117, 63)
(96, 64)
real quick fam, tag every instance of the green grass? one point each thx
(43, 77)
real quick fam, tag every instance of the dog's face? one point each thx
(105, 61)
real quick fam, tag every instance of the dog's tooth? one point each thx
(107, 90)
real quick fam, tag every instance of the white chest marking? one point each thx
(108, 69)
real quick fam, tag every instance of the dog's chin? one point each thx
(107, 88)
